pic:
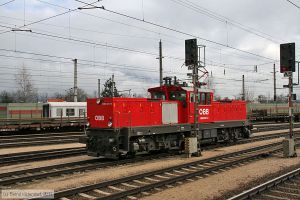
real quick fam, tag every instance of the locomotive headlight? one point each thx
(109, 124)
(111, 140)
(99, 100)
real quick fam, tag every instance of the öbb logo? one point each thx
(204, 111)
(99, 117)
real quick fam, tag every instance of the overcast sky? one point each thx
(237, 34)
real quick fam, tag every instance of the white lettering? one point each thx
(204, 111)
(99, 118)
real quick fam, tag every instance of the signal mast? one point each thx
(195, 61)
(287, 66)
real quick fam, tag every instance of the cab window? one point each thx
(208, 98)
(159, 95)
(192, 97)
(202, 99)
(180, 96)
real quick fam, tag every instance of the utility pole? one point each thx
(274, 77)
(113, 85)
(98, 88)
(275, 95)
(75, 80)
(243, 89)
(160, 64)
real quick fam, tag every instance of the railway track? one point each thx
(252, 139)
(9, 159)
(67, 168)
(72, 137)
(266, 137)
(38, 139)
(272, 127)
(38, 135)
(284, 187)
(80, 166)
(58, 153)
(142, 183)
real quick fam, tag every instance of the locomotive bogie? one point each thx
(115, 143)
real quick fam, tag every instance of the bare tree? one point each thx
(58, 95)
(81, 95)
(262, 98)
(26, 91)
(249, 95)
(7, 97)
(282, 98)
(43, 97)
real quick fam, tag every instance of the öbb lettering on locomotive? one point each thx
(129, 126)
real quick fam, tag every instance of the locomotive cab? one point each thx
(186, 98)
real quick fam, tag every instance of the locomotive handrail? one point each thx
(130, 123)
(118, 119)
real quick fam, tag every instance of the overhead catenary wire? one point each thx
(294, 4)
(45, 19)
(195, 7)
(175, 30)
(127, 49)
(3, 4)
(131, 25)
(56, 5)
(221, 66)
(167, 72)
(92, 63)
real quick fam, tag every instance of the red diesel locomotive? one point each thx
(128, 126)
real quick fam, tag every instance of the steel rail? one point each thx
(36, 139)
(265, 137)
(40, 155)
(266, 186)
(65, 168)
(38, 135)
(273, 128)
(173, 180)
(87, 188)
(39, 143)
(59, 168)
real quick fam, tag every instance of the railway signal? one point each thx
(191, 52)
(287, 57)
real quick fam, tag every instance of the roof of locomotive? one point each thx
(166, 87)
(199, 89)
